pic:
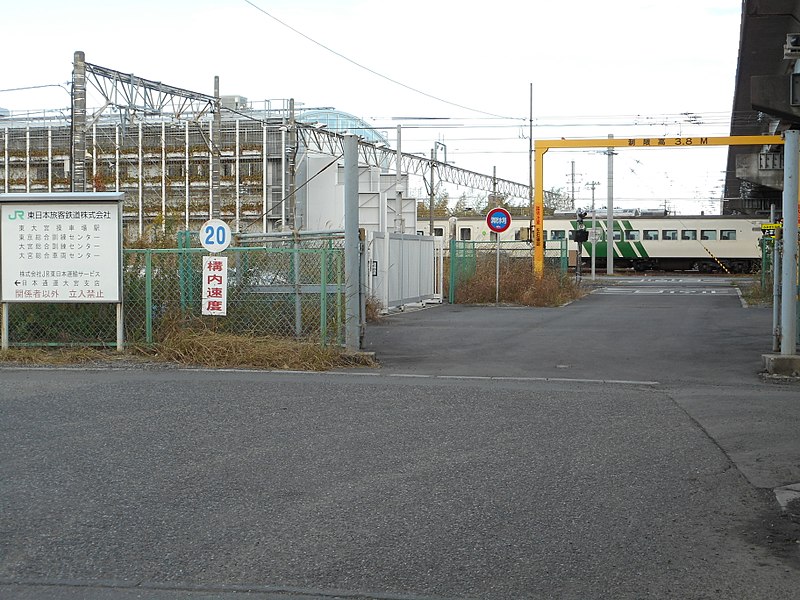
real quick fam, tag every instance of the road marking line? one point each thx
(523, 378)
(354, 373)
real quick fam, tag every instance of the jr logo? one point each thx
(18, 214)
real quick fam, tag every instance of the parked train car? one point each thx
(674, 243)
(671, 243)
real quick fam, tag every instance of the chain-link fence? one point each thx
(466, 255)
(771, 260)
(285, 289)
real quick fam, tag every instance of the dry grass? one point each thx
(373, 309)
(518, 285)
(753, 293)
(199, 346)
(55, 356)
(194, 345)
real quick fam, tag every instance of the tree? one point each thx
(556, 199)
(460, 208)
(441, 206)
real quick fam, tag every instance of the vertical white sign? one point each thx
(215, 285)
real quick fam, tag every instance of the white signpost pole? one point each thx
(5, 327)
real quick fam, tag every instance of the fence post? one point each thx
(323, 296)
(362, 276)
(148, 295)
(298, 312)
(184, 270)
(5, 326)
(451, 291)
(339, 299)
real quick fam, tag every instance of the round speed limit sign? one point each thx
(215, 235)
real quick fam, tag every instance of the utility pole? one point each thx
(530, 164)
(352, 262)
(791, 189)
(573, 184)
(291, 200)
(434, 162)
(593, 235)
(610, 215)
(78, 144)
(495, 200)
(776, 286)
(433, 189)
(216, 140)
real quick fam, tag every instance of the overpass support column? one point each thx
(789, 266)
(787, 362)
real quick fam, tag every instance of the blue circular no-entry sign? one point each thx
(498, 220)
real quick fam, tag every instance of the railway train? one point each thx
(642, 242)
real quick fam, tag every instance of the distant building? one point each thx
(164, 166)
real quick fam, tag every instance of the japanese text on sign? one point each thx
(667, 142)
(215, 285)
(498, 220)
(50, 254)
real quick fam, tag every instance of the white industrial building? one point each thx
(268, 180)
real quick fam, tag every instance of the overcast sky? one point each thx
(622, 67)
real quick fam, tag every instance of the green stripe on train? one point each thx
(626, 249)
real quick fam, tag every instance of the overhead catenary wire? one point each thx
(368, 69)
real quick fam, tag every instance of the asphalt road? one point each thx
(620, 447)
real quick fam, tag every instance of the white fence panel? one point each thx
(410, 272)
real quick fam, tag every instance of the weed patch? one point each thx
(518, 285)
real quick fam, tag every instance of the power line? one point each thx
(376, 73)
(37, 87)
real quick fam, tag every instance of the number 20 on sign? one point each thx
(215, 235)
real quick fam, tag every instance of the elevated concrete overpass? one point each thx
(754, 178)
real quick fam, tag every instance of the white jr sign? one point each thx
(59, 252)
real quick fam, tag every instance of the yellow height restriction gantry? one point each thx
(540, 147)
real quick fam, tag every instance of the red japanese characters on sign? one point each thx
(215, 285)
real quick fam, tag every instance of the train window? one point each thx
(669, 234)
(522, 234)
(708, 234)
(617, 236)
(438, 231)
(465, 233)
(558, 234)
(727, 234)
(689, 234)
(651, 234)
(632, 235)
